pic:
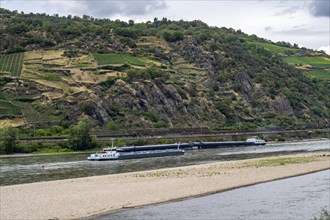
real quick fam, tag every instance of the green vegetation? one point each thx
(324, 215)
(172, 36)
(104, 59)
(8, 109)
(320, 74)
(273, 47)
(279, 161)
(11, 63)
(8, 140)
(79, 137)
(320, 62)
(154, 74)
(132, 60)
(120, 68)
(313, 66)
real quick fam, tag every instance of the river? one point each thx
(17, 170)
(296, 198)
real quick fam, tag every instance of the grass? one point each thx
(274, 48)
(320, 65)
(12, 122)
(80, 62)
(53, 84)
(12, 63)
(132, 60)
(320, 74)
(104, 59)
(2, 96)
(154, 42)
(320, 62)
(278, 161)
(33, 55)
(52, 54)
(52, 77)
(90, 77)
(8, 109)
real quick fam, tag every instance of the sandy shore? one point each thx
(82, 197)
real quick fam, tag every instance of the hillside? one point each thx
(54, 70)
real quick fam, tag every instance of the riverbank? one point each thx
(66, 152)
(46, 154)
(82, 197)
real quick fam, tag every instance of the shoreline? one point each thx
(197, 196)
(15, 155)
(89, 197)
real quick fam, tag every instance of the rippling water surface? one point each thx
(16, 170)
(296, 198)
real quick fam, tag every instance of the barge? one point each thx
(223, 144)
(197, 145)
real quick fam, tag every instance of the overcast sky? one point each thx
(305, 22)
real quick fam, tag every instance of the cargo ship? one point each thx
(162, 150)
(120, 154)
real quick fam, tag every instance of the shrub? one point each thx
(56, 129)
(41, 133)
(111, 126)
(161, 124)
(127, 32)
(151, 116)
(120, 68)
(88, 107)
(325, 215)
(8, 140)
(172, 36)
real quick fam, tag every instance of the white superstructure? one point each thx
(256, 140)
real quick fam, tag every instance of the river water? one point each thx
(17, 170)
(296, 198)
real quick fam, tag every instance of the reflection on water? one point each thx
(29, 169)
(294, 198)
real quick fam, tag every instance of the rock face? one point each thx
(283, 105)
(164, 102)
(190, 49)
(245, 82)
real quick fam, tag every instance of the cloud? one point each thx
(301, 32)
(110, 8)
(326, 49)
(268, 28)
(320, 8)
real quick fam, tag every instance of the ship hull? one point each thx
(137, 155)
(148, 155)
(192, 145)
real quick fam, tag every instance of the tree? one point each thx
(79, 137)
(155, 23)
(8, 140)
(130, 23)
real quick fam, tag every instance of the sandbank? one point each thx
(89, 196)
